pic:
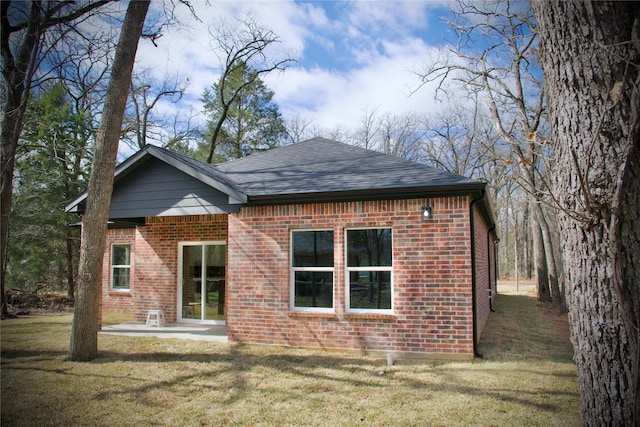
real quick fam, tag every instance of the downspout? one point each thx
(473, 274)
(495, 261)
(492, 292)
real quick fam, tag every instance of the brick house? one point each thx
(318, 244)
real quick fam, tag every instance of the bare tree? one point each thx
(504, 69)
(510, 208)
(29, 32)
(143, 122)
(337, 133)
(461, 140)
(366, 135)
(243, 43)
(590, 53)
(298, 129)
(401, 135)
(184, 134)
(86, 319)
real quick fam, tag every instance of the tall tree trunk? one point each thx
(86, 320)
(590, 54)
(540, 257)
(544, 260)
(556, 295)
(527, 244)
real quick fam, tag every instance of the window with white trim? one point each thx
(369, 267)
(120, 267)
(312, 270)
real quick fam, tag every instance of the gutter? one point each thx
(363, 194)
(473, 273)
(495, 260)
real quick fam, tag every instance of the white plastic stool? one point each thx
(155, 318)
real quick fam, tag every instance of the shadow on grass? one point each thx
(524, 357)
(24, 354)
(519, 330)
(236, 371)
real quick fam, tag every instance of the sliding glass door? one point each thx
(201, 282)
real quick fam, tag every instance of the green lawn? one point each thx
(526, 378)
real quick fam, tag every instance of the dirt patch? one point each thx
(23, 303)
(559, 321)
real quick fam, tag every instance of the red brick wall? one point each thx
(432, 313)
(154, 268)
(484, 271)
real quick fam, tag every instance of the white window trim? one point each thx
(114, 266)
(292, 276)
(348, 270)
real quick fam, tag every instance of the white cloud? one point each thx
(338, 99)
(378, 16)
(364, 56)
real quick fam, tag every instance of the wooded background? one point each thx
(62, 110)
(558, 144)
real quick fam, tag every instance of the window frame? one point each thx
(293, 270)
(113, 267)
(180, 282)
(349, 270)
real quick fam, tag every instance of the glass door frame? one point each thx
(180, 281)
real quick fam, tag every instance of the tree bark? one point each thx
(590, 54)
(556, 295)
(86, 320)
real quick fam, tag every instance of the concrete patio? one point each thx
(217, 333)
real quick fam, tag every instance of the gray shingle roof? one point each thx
(321, 166)
(318, 169)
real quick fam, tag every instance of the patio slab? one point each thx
(216, 333)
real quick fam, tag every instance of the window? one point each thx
(312, 270)
(120, 267)
(369, 266)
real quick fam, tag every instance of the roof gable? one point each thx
(199, 171)
(204, 172)
(159, 189)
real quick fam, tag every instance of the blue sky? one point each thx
(352, 57)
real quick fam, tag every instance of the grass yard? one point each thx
(527, 378)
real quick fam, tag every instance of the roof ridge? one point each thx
(271, 150)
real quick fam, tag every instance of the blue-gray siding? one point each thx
(157, 189)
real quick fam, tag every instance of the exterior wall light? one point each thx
(427, 214)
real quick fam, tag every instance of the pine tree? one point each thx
(252, 120)
(51, 167)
